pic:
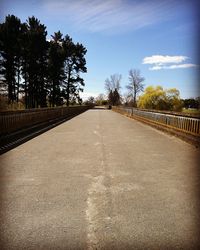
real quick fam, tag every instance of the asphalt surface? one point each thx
(100, 181)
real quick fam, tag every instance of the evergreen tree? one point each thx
(10, 32)
(55, 69)
(39, 69)
(114, 97)
(112, 85)
(75, 64)
(35, 63)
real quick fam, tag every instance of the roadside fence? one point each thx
(11, 121)
(181, 123)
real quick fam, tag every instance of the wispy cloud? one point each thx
(111, 15)
(167, 62)
(160, 60)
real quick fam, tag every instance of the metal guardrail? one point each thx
(11, 121)
(181, 123)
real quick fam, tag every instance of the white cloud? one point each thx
(160, 60)
(155, 68)
(109, 15)
(167, 62)
(186, 65)
(175, 66)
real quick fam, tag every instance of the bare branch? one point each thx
(135, 84)
(113, 83)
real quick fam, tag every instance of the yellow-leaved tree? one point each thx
(160, 99)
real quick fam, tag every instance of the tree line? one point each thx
(134, 87)
(152, 97)
(45, 73)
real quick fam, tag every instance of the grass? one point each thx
(191, 111)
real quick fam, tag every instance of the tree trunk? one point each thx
(68, 86)
(18, 79)
(134, 99)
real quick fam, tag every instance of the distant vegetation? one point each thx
(35, 72)
(135, 85)
(160, 99)
(112, 86)
(150, 98)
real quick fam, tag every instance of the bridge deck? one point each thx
(100, 181)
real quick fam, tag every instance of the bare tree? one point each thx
(135, 84)
(100, 99)
(90, 101)
(113, 83)
(112, 86)
(127, 99)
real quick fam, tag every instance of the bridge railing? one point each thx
(185, 124)
(11, 121)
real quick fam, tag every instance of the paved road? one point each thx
(100, 181)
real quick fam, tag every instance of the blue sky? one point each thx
(158, 37)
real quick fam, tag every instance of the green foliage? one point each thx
(104, 102)
(34, 66)
(43, 72)
(160, 99)
(112, 86)
(74, 64)
(55, 69)
(114, 98)
(191, 103)
(101, 100)
(10, 33)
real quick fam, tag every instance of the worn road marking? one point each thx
(97, 143)
(97, 133)
(96, 187)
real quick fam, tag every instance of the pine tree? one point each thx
(75, 64)
(55, 69)
(35, 63)
(10, 32)
(38, 69)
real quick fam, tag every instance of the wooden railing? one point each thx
(184, 124)
(11, 121)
